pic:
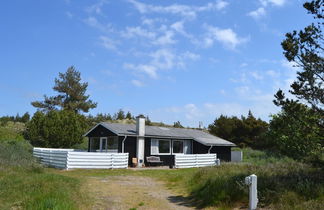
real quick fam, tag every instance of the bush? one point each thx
(12, 130)
(57, 129)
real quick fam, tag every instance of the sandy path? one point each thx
(132, 192)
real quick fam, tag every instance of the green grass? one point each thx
(282, 183)
(24, 184)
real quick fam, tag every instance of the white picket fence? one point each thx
(70, 159)
(195, 160)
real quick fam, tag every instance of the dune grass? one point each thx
(24, 184)
(282, 183)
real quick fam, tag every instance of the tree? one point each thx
(244, 131)
(57, 129)
(177, 125)
(25, 118)
(306, 49)
(129, 116)
(71, 94)
(120, 115)
(296, 131)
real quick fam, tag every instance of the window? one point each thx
(160, 147)
(164, 147)
(177, 146)
(112, 144)
(94, 144)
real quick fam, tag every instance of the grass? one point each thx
(12, 130)
(24, 184)
(282, 182)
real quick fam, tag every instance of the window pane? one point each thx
(164, 146)
(113, 144)
(94, 144)
(177, 146)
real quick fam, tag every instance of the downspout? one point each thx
(123, 144)
(210, 149)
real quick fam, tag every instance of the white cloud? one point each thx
(138, 31)
(256, 75)
(150, 70)
(273, 2)
(163, 59)
(165, 39)
(258, 13)
(178, 27)
(178, 9)
(93, 22)
(97, 7)
(190, 55)
(225, 36)
(108, 43)
(137, 83)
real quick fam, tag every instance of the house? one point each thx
(141, 141)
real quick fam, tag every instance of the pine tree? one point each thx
(71, 94)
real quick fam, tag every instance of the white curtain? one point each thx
(154, 147)
(187, 147)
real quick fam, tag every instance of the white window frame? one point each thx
(170, 146)
(183, 145)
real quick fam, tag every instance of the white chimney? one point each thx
(140, 144)
(140, 125)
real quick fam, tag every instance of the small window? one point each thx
(164, 147)
(177, 146)
(112, 144)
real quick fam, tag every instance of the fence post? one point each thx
(251, 181)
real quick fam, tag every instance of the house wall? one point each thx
(129, 147)
(168, 160)
(223, 152)
(99, 131)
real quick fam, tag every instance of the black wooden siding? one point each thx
(223, 152)
(129, 147)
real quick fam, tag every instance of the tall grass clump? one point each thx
(282, 184)
(25, 184)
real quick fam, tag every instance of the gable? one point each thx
(99, 131)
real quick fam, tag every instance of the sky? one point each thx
(183, 60)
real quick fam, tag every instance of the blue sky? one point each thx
(172, 60)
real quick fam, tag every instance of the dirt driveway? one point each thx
(132, 192)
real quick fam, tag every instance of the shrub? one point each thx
(58, 129)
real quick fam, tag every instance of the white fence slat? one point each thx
(195, 160)
(69, 159)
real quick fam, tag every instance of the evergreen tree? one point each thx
(71, 94)
(298, 130)
(120, 115)
(129, 116)
(177, 125)
(244, 131)
(57, 129)
(306, 49)
(25, 118)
